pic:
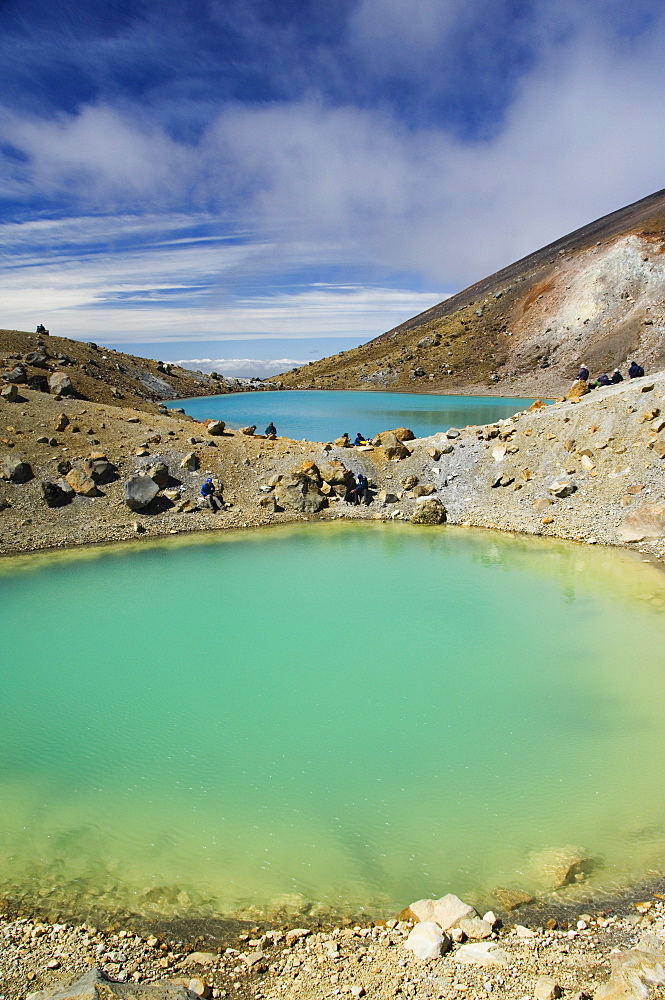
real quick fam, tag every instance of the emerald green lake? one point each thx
(322, 415)
(344, 716)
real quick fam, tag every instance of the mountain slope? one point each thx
(596, 295)
(102, 375)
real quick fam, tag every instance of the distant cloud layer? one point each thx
(242, 367)
(333, 171)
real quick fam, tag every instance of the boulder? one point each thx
(81, 482)
(215, 427)
(423, 490)
(434, 453)
(475, 928)
(248, 431)
(647, 521)
(387, 497)
(9, 393)
(335, 473)
(393, 447)
(139, 491)
(53, 493)
(634, 970)
(16, 471)
(97, 466)
(37, 359)
(401, 433)
(577, 389)
(512, 899)
(18, 374)
(37, 382)
(190, 462)
(60, 422)
(427, 941)
(482, 953)
(60, 384)
(300, 492)
(429, 511)
(560, 866)
(446, 911)
(94, 985)
(159, 473)
(409, 482)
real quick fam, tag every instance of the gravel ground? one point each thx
(305, 962)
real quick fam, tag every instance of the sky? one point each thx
(251, 184)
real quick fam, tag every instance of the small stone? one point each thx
(9, 393)
(133, 420)
(357, 991)
(215, 427)
(546, 988)
(482, 953)
(296, 934)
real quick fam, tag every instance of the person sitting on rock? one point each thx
(635, 370)
(344, 441)
(604, 379)
(271, 431)
(362, 493)
(210, 494)
(617, 376)
(583, 373)
(360, 440)
(351, 487)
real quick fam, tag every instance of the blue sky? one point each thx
(282, 179)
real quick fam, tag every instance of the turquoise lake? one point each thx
(318, 415)
(337, 716)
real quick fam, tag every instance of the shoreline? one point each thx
(567, 948)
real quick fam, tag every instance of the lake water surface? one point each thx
(350, 716)
(319, 415)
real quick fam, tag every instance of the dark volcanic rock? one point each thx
(139, 491)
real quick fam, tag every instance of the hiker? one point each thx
(351, 487)
(362, 493)
(271, 431)
(604, 379)
(344, 441)
(635, 370)
(583, 373)
(210, 494)
(617, 376)
(360, 440)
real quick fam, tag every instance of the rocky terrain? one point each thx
(595, 296)
(434, 949)
(100, 374)
(76, 472)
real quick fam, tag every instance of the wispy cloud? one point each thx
(331, 172)
(242, 367)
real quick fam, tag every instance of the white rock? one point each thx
(426, 941)
(446, 911)
(482, 953)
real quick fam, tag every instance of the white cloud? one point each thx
(319, 186)
(242, 367)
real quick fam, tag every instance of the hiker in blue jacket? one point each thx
(209, 493)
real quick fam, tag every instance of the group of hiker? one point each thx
(634, 371)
